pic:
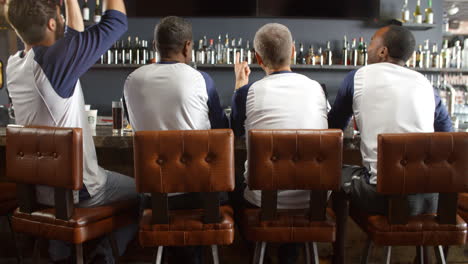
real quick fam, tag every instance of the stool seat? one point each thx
(84, 225)
(186, 228)
(289, 226)
(420, 230)
(463, 202)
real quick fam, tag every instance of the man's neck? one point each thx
(395, 61)
(44, 43)
(176, 58)
(280, 69)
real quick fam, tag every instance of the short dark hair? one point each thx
(399, 42)
(171, 34)
(30, 18)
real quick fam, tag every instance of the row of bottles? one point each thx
(417, 14)
(447, 57)
(131, 51)
(223, 52)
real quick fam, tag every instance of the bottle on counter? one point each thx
(200, 53)
(319, 57)
(360, 49)
(418, 18)
(85, 11)
(419, 56)
(328, 53)
(427, 60)
(240, 49)
(435, 56)
(219, 50)
(345, 59)
(364, 54)
(445, 55)
(354, 53)
(301, 56)
(405, 13)
(429, 13)
(310, 56)
(211, 53)
(227, 51)
(97, 12)
(248, 53)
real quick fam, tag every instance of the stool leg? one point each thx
(115, 248)
(423, 254)
(79, 253)
(158, 256)
(366, 252)
(259, 253)
(388, 254)
(341, 208)
(37, 251)
(307, 252)
(315, 253)
(19, 256)
(439, 252)
(214, 252)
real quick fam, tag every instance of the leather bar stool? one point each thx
(292, 160)
(463, 205)
(53, 157)
(418, 163)
(8, 204)
(200, 161)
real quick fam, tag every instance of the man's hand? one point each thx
(242, 71)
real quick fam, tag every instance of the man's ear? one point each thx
(383, 52)
(187, 51)
(52, 25)
(259, 59)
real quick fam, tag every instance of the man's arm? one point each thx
(342, 110)
(442, 121)
(239, 109)
(74, 16)
(216, 113)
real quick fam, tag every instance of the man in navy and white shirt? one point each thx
(281, 100)
(171, 95)
(43, 82)
(386, 97)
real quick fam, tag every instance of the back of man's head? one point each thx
(273, 43)
(171, 34)
(399, 41)
(30, 18)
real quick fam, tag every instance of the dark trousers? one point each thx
(364, 196)
(187, 201)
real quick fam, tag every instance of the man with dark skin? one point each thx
(386, 97)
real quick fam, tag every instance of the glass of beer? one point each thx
(117, 117)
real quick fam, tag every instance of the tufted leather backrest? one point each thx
(49, 156)
(184, 161)
(295, 159)
(422, 163)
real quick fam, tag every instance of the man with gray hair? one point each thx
(281, 100)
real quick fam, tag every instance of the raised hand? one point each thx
(242, 71)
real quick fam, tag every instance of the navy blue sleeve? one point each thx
(238, 112)
(442, 121)
(342, 110)
(216, 113)
(71, 56)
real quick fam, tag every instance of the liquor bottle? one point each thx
(240, 49)
(211, 53)
(464, 55)
(294, 56)
(344, 55)
(354, 53)
(227, 51)
(427, 55)
(97, 12)
(445, 55)
(310, 56)
(219, 50)
(248, 53)
(364, 55)
(86, 12)
(146, 58)
(319, 57)
(405, 13)
(360, 49)
(300, 59)
(130, 54)
(137, 52)
(435, 56)
(117, 54)
(457, 54)
(110, 55)
(200, 53)
(419, 56)
(429, 13)
(417, 13)
(328, 54)
(233, 51)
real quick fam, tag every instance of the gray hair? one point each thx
(273, 42)
(171, 34)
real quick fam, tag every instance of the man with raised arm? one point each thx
(43, 82)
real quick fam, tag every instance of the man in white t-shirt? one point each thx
(281, 100)
(386, 97)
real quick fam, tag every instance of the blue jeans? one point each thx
(118, 187)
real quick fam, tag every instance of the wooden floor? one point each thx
(239, 252)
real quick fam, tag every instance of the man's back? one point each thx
(390, 99)
(169, 96)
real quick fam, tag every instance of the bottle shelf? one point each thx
(423, 26)
(294, 67)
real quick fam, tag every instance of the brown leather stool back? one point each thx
(184, 161)
(45, 156)
(422, 163)
(295, 160)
